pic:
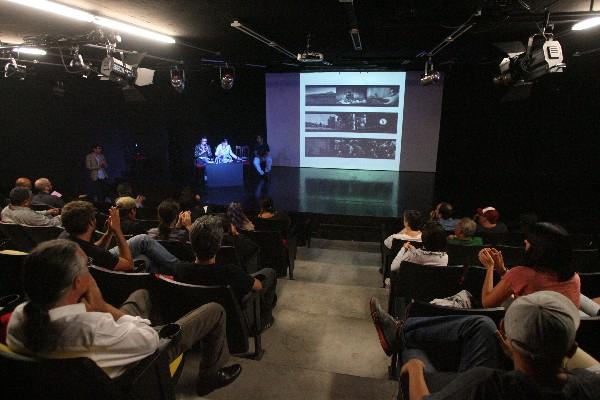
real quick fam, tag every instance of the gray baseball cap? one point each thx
(542, 324)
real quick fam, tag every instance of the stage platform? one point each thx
(381, 194)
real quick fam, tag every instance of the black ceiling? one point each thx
(393, 33)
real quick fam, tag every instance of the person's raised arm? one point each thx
(492, 296)
(125, 259)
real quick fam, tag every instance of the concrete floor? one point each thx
(323, 344)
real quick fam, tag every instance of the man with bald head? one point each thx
(23, 182)
(44, 196)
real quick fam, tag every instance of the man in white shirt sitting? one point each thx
(19, 211)
(66, 316)
(223, 153)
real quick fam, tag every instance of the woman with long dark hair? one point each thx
(236, 216)
(548, 266)
(172, 223)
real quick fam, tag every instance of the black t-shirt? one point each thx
(99, 256)
(491, 384)
(215, 274)
(261, 149)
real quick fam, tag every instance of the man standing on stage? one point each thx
(202, 152)
(223, 153)
(261, 153)
(96, 165)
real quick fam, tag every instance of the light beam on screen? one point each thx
(351, 120)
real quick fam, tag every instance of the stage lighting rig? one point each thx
(178, 79)
(430, 75)
(14, 70)
(227, 77)
(117, 70)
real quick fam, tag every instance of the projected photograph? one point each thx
(380, 149)
(359, 122)
(352, 95)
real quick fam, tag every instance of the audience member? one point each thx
(236, 216)
(432, 253)
(66, 314)
(23, 182)
(443, 216)
(79, 221)
(45, 196)
(261, 154)
(125, 189)
(246, 249)
(547, 267)
(19, 211)
(411, 231)
(96, 164)
(206, 236)
(128, 212)
(173, 224)
(488, 221)
(463, 233)
(537, 333)
(267, 211)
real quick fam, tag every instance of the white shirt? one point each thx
(224, 151)
(400, 236)
(112, 345)
(420, 256)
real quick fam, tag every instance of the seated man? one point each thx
(67, 314)
(488, 221)
(223, 153)
(19, 212)
(44, 196)
(206, 235)
(79, 221)
(261, 154)
(443, 216)
(202, 152)
(128, 212)
(463, 234)
(539, 332)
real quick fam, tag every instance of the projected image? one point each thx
(359, 122)
(381, 149)
(352, 95)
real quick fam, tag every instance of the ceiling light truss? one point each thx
(250, 32)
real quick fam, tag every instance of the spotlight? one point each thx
(586, 24)
(227, 77)
(14, 70)
(178, 79)
(30, 50)
(430, 75)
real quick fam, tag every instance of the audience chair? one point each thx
(175, 299)
(390, 254)
(586, 260)
(587, 336)
(227, 255)
(590, 284)
(11, 272)
(15, 232)
(273, 253)
(183, 251)
(116, 286)
(423, 309)
(39, 234)
(26, 377)
(512, 255)
(40, 207)
(493, 239)
(147, 213)
(459, 254)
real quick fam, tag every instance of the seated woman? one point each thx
(236, 215)
(463, 233)
(547, 267)
(267, 210)
(432, 253)
(173, 225)
(411, 231)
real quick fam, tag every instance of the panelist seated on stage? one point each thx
(261, 155)
(223, 153)
(202, 152)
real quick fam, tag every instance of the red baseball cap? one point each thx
(490, 213)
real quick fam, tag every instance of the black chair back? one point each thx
(39, 234)
(423, 309)
(147, 213)
(273, 253)
(586, 260)
(590, 284)
(11, 272)
(227, 255)
(183, 251)
(15, 232)
(262, 224)
(175, 299)
(493, 238)
(116, 286)
(39, 206)
(512, 255)
(459, 254)
(587, 336)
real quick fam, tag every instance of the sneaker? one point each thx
(387, 328)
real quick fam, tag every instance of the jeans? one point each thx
(144, 247)
(474, 336)
(268, 161)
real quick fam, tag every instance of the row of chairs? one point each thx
(25, 238)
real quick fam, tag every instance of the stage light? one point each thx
(30, 50)
(14, 70)
(430, 75)
(227, 77)
(134, 30)
(178, 79)
(80, 15)
(586, 24)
